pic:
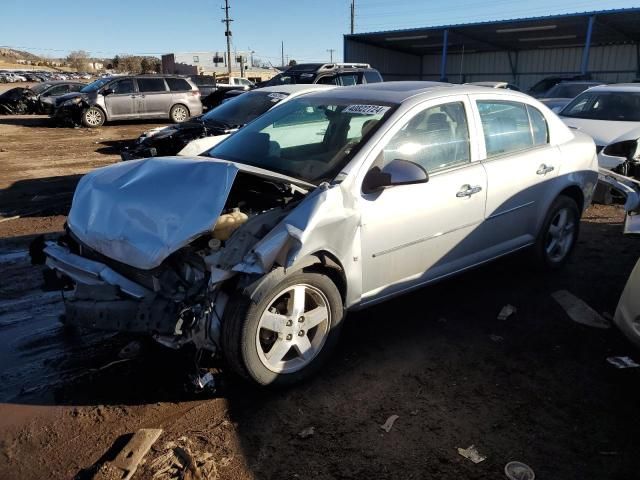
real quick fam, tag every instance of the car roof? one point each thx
(398, 92)
(488, 84)
(616, 87)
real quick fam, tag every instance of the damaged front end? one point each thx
(612, 185)
(146, 254)
(169, 141)
(19, 101)
(68, 109)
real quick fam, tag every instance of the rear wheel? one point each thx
(559, 233)
(93, 117)
(288, 334)
(179, 113)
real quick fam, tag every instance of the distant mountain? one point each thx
(9, 53)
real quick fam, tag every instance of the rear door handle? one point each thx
(468, 190)
(544, 169)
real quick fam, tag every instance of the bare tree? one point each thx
(78, 59)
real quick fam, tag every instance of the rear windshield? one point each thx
(178, 84)
(243, 108)
(614, 106)
(563, 90)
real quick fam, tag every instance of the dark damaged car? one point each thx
(335, 200)
(130, 98)
(39, 98)
(201, 133)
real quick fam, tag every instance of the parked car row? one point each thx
(13, 76)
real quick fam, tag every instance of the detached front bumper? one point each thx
(105, 300)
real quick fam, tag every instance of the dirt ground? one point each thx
(534, 388)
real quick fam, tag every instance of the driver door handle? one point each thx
(544, 169)
(468, 190)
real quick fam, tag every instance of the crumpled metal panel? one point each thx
(139, 212)
(324, 221)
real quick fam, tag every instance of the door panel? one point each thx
(155, 98)
(415, 233)
(521, 167)
(121, 103)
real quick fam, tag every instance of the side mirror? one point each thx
(107, 91)
(395, 173)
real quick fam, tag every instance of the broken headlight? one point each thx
(629, 149)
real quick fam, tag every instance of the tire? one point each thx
(179, 113)
(558, 235)
(254, 350)
(92, 117)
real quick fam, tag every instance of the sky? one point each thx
(308, 28)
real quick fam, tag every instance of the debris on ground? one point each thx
(579, 311)
(307, 432)
(126, 462)
(472, 454)
(388, 425)
(622, 362)
(506, 312)
(130, 351)
(519, 471)
(203, 381)
(496, 338)
(182, 460)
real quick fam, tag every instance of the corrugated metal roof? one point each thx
(617, 26)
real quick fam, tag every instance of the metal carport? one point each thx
(604, 44)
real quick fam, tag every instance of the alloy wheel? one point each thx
(293, 328)
(93, 117)
(560, 235)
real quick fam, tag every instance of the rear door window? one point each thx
(505, 125)
(178, 84)
(328, 80)
(149, 85)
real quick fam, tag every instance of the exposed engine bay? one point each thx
(181, 300)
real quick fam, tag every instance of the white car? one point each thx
(610, 114)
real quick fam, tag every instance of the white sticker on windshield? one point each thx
(366, 109)
(276, 97)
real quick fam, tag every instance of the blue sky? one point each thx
(308, 27)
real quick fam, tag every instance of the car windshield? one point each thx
(311, 139)
(93, 86)
(243, 108)
(615, 106)
(564, 90)
(40, 87)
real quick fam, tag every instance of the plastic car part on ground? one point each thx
(579, 311)
(472, 454)
(519, 471)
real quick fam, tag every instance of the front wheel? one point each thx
(559, 233)
(179, 113)
(288, 334)
(93, 117)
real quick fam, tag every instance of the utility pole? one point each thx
(331, 50)
(353, 14)
(282, 52)
(227, 21)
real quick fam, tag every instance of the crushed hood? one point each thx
(139, 212)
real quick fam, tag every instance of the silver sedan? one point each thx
(333, 201)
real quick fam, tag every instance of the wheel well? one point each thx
(327, 264)
(575, 193)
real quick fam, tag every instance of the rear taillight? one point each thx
(195, 93)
